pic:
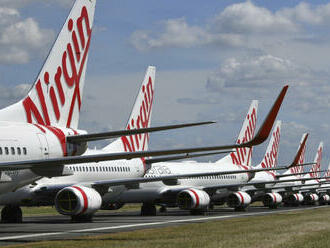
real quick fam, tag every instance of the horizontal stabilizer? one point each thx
(267, 125)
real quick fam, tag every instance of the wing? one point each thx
(259, 184)
(115, 134)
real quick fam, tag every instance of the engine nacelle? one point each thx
(324, 199)
(193, 199)
(294, 199)
(78, 201)
(272, 200)
(239, 199)
(311, 198)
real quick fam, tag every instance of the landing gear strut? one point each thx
(11, 214)
(163, 209)
(148, 209)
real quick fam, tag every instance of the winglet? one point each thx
(300, 151)
(268, 123)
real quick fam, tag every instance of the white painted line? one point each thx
(151, 224)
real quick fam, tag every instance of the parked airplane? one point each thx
(80, 195)
(323, 190)
(40, 132)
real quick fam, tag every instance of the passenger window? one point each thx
(12, 150)
(6, 150)
(18, 150)
(24, 151)
(0, 150)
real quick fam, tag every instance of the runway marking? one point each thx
(150, 224)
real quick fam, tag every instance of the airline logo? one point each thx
(138, 142)
(270, 159)
(317, 167)
(66, 81)
(327, 174)
(242, 156)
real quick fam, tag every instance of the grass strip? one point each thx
(309, 228)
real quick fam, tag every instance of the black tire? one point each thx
(148, 210)
(11, 214)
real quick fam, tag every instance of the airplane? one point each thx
(91, 185)
(39, 134)
(323, 190)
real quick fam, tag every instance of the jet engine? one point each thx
(294, 199)
(324, 199)
(78, 201)
(311, 198)
(190, 199)
(239, 200)
(272, 200)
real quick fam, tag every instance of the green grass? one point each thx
(309, 228)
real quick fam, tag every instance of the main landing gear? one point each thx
(11, 214)
(82, 218)
(148, 209)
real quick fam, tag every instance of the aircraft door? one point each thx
(43, 145)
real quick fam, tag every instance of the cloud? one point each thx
(255, 71)
(24, 3)
(230, 28)
(308, 14)
(249, 18)
(178, 33)
(21, 39)
(9, 95)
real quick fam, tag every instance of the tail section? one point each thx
(139, 118)
(242, 156)
(315, 170)
(55, 97)
(327, 174)
(301, 159)
(270, 159)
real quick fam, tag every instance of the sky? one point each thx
(212, 59)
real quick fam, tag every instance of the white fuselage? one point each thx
(83, 174)
(23, 142)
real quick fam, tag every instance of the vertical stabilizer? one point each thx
(315, 170)
(327, 174)
(139, 118)
(242, 156)
(56, 96)
(300, 156)
(270, 159)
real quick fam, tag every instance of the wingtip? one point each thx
(268, 123)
